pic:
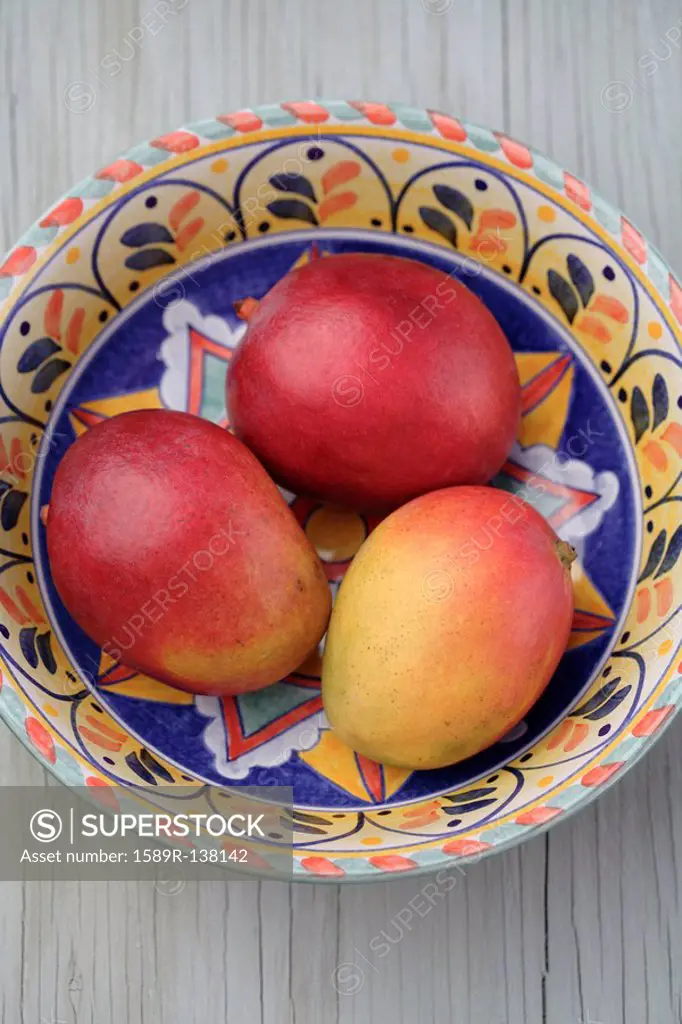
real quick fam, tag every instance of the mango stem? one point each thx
(245, 308)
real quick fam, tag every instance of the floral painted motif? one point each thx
(146, 230)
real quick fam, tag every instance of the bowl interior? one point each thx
(572, 460)
(133, 306)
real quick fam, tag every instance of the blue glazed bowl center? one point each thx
(174, 344)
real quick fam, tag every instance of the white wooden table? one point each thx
(581, 926)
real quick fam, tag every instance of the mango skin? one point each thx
(175, 552)
(393, 380)
(447, 627)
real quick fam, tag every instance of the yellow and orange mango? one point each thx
(447, 627)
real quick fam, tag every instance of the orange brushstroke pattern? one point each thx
(73, 331)
(180, 209)
(11, 608)
(98, 740)
(610, 307)
(643, 604)
(53, 315)
(673, 435)
(589, 324)
(334, 204)
(664, 596)
(656, 455)
(29, 607)
(184, 237)
(339, 174)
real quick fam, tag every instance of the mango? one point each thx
(366, 380)
(447, 627)
(176, 554)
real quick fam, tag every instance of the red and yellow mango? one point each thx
(174, 551)
(447, 627)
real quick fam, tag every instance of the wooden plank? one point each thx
(582, 924)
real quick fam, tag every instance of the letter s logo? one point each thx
(46, 826)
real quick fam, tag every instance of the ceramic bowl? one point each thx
(122, 297)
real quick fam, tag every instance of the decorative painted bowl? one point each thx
(123, 296)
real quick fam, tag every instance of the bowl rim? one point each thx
(295, 119)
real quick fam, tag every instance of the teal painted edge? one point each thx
(210, 129)
(659, 271)
(91, 188)
(12, 705)
(64, 767)
(503, 833)
(671, 694)
(413, 118)
(629, 746)
(147, 155)
(344, 111)
(275, 116)
(38, 236)
(606, 214)
(547, 171)
(567, 797)
(356, 866)
(482, 138)
(72, 772)
(428, 858)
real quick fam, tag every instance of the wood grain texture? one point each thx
(582, 925)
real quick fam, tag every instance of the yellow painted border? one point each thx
(373, 131)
